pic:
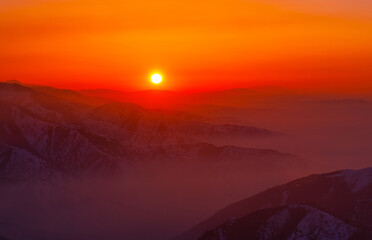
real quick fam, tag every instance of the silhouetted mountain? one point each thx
(342, 199)
(14, 81)
(150, 99)
(347, 101)
(237, 97)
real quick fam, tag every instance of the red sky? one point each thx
(197, 45)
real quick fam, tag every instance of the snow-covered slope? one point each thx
(291, 222)
(345, 194)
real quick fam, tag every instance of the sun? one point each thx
(156, 78)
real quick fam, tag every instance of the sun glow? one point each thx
(156, 78)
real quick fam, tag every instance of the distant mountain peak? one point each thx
(14, 87)
(14, 81)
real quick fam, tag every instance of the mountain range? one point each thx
(47, 132)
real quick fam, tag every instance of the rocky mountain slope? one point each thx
(288, 222)
(338, 205)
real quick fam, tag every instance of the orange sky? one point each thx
(196, 44)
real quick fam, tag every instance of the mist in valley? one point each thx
(178, 165)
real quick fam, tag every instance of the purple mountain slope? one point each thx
(343, 195)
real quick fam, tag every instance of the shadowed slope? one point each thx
(344, 194)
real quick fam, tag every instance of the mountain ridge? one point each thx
(334, 193)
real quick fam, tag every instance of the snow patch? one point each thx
(358, 180)
(331, 227)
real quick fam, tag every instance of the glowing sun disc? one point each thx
(156, 78)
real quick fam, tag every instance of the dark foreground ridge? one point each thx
(336, 205)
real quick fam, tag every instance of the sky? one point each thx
(196, 45)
